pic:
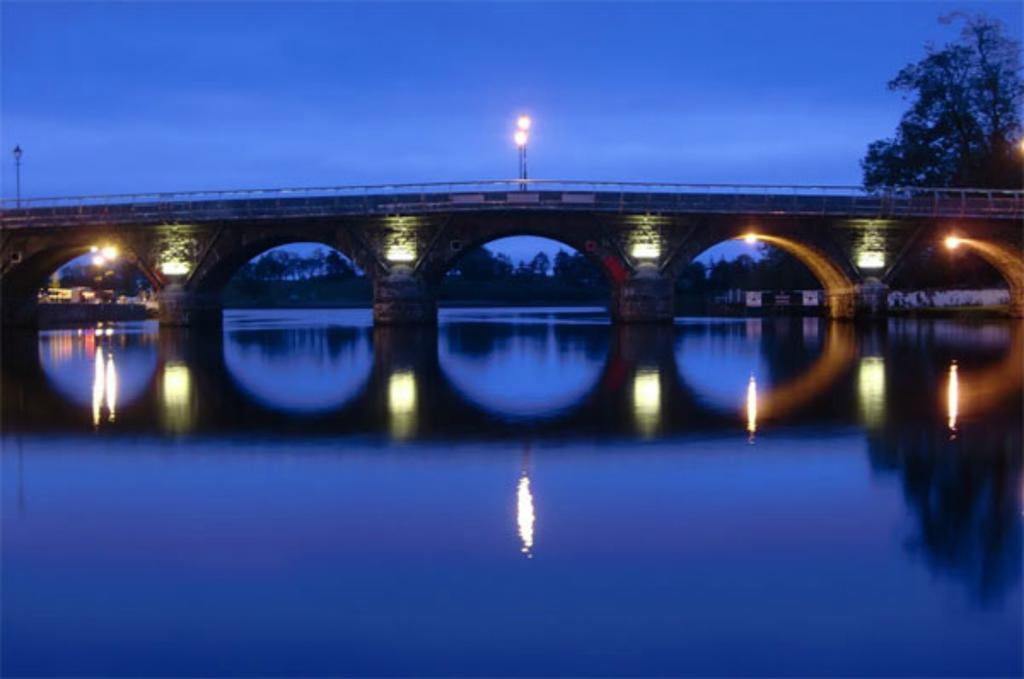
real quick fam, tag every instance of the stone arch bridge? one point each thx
(405, 237)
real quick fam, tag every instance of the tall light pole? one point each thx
(521, 137)
(17, 174)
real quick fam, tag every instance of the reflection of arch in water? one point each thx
(968, 393)
(528, 371)
(69, 360)
(717, 363)
(750, 396)
(789, 397)
(300, 370)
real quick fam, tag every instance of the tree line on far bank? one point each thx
(484, 277)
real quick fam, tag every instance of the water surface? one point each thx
(519, 491)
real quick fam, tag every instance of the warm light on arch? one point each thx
(831, 277)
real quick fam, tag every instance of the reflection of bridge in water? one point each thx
(962, 484)
(624, 381)
(397, 382)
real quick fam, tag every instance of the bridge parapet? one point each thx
(613, 197)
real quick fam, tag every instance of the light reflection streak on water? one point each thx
(751, 408)
(871, 390)
(647, 400)
(98, 386)
(525, 516)
(402, 403)
(953, 397)
(111, 391)
(177, 397)
(104, 386)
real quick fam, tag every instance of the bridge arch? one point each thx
(222, 264)
(196, 297)
(525, 269)
(838, 278)
(26, 270)
(581, 236)
(1004, 258)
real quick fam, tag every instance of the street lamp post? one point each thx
(521, 137)
(17, 175)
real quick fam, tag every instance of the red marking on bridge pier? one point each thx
(615, 268)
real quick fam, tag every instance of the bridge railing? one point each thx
(511, 194)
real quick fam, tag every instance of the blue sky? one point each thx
(122, 97)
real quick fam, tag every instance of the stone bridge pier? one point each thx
(403, 298)
(179, 307)
(647, 296)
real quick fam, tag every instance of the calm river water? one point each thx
(514, 492)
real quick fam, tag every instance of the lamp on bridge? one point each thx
(17, 174)
(102, 256)
(521, 137)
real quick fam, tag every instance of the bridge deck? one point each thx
(161, 208)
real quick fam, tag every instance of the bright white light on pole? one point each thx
(524, 123)
(521, 137)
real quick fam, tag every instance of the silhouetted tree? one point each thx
(575, 269)
(540, 264)
(336, 266)
(964, 125)
(480, 264)
(694, 278)
(278, 265)
(778, 270)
